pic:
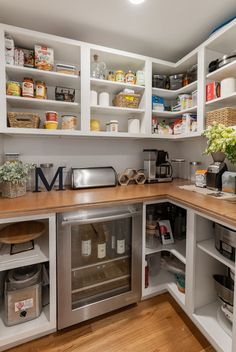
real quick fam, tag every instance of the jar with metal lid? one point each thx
(13, 88)
(111, 76)
(28, 88)
(40, 90)
(130, 77)
(112, 126)
(193, 167)
(120, 76)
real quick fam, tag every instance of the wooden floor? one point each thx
(155, 325)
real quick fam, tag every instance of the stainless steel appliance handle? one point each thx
(71, 221)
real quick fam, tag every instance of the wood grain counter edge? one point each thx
(70, 200)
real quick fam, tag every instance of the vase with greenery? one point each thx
(13, 177)
(221, 142)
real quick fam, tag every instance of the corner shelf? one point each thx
(178, 249)
(223, 101)
(173, 114)
(208, 246)
(172, 94)
(53, 78)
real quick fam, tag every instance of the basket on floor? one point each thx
(124, 100)
(226, 116)
(23, 120)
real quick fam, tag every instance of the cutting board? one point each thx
(21, 232)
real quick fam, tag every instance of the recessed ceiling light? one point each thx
(136, 2)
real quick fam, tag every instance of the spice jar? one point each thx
(112, 126)
(28, 88)
(120, 76)
(130, 77)
(40, 90)
(111, 76)
(13, 88)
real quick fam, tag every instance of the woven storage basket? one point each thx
(23, 120)
(13, 190)
(124, 100)
(226, 116)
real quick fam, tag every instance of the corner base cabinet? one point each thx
(41, 297)
(187, 267)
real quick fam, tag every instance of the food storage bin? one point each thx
(176, 81)
(125, 100)
(23, 294)
(159, 81)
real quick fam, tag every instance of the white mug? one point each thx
(104, 99)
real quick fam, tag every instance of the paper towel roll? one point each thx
(228, 86)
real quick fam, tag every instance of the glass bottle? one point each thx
(98, 68)
(120, 239)
(86, 241)
(101, 241)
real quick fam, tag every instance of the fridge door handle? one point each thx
(74, 221)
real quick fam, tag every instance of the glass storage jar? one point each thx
(193, 167)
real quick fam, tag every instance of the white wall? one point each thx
(84, 152)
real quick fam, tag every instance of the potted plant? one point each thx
(13, 177)
(221, 142)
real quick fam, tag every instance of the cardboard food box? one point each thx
(44, 57)
(212, 91)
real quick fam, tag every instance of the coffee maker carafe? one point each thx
(157, 166)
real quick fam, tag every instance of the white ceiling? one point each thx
(166, 29)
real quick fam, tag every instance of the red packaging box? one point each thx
(212, 91)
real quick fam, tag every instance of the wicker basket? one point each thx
(13, 190)
(23, 120)
(226, 116)
(124, 100)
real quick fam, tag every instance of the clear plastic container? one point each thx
(179, 168)
(193, 167)
(176, 81)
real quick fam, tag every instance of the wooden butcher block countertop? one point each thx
(69, 200)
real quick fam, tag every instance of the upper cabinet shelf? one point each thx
(114, 110)
(42, 104)
(114, 87)
(223, 72)
(52, 78)
(223, 102)
(172, 114)
(172, 94)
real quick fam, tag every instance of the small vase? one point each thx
(218, 156)
(13, 190)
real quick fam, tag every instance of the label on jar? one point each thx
(113, 242)
(120, 248)
(27, 89)
(101, 250)
(22, 305)
(40, 91)
(86, 248)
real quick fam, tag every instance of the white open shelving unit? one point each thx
(43, 252)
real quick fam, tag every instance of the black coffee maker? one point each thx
(164, 170)
(157, 166)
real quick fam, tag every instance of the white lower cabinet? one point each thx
(44, 252)
(202, 260)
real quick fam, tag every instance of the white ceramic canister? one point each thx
(103, 99)
(133, 125)
(93, 97)
(228, 86)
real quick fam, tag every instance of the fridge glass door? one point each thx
(101, 260)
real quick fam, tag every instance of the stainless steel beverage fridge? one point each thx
(99, 261)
